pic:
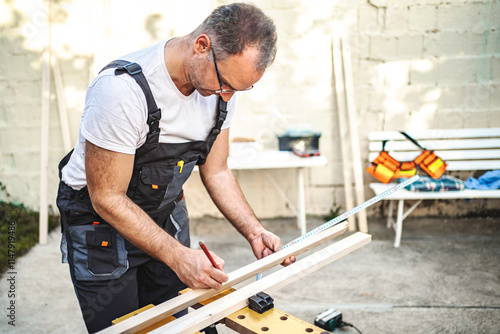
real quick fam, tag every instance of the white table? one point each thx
(265, 160)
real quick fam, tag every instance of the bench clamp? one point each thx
(260, 302)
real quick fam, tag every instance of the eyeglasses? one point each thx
(220, 83)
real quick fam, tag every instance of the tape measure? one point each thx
(349, 213)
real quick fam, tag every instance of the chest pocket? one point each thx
(180, 176)
(150, 185)
(156, 186)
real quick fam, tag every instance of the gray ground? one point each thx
(445, 278)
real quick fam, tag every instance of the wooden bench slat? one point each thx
(436, 144)
(474, 165)
(436, 134)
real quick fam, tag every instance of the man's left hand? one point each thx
(266, 243)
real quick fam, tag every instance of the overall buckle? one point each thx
(132, 68)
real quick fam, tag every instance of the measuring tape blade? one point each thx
(349, 213)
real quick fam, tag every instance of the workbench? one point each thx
(232, 306)
(268, 160)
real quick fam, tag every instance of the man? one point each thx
(148, 120)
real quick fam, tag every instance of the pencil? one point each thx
(207, 253)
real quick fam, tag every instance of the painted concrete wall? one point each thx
(417, 65)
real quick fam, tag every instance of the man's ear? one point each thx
(202, 44)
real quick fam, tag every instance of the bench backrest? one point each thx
(462, 149)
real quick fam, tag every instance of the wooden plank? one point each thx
(61, 104)
(437, 134)
(151, 327)
(437, 144)
(211, 299)
(221, 308)
(274, 321)
(353, 127)
(43, 223)
(131, 314)
(179, 303)
(344, 138)
(463, 155)
(474, 165)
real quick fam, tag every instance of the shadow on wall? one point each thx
(22, 31)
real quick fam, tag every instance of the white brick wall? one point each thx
(416, 64)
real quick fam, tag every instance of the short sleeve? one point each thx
(115, 114)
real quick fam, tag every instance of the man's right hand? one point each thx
(197, 272)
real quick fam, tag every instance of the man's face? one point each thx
(237, 72)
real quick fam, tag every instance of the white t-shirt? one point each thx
(115, 112)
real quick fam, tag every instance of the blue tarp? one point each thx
(488, 181)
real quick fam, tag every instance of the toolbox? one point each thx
(302, 140)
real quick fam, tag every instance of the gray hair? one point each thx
(234, 27)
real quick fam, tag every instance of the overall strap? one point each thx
(154, 113)
(64, 162)
(219, 120)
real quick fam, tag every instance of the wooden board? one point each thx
(436, 134)
(179, 303)
(221, 308)
(207, 301)
(45, 130)
(244, 321)
(353, 131)
(61, 104)
(343, 130)
(150, 327)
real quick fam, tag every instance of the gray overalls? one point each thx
(111, 276)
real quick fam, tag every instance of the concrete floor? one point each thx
(445, 278)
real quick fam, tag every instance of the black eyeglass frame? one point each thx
(231, 91)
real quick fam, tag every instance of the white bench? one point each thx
(462, 149)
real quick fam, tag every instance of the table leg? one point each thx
(399, 223)
(390, 222)
(301, 201)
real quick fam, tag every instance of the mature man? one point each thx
(149, 118)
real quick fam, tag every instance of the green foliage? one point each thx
(23, 225)
(3, 189)
(334, 212)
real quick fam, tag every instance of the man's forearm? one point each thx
(137, 227)
(229, 199)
